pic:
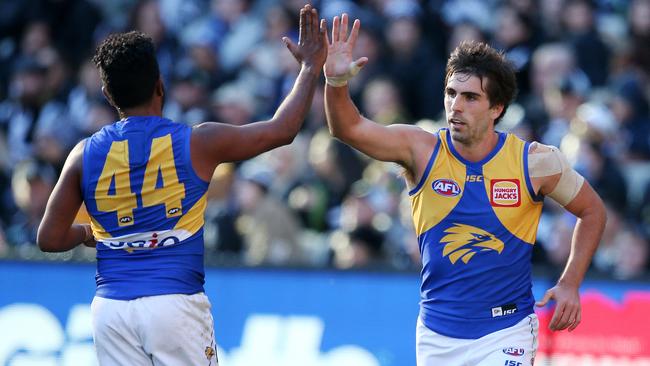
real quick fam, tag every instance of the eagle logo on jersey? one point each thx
(463, 241)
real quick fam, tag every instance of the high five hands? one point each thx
(311, 50)
(315, 49)
(339, 67)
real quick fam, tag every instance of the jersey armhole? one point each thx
(188, 157)
(425, 175)
(529, 184)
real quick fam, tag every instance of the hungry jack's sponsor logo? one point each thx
(505, 193)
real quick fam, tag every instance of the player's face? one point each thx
(468, 110)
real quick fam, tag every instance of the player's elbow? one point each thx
(46, 241)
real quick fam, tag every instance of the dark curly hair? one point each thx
(128, 68)
(480, 60)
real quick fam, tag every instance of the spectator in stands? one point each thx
(578, 18)
(269, 229)
(360, 248)
(630, 107)
(31, 183)
(632, 256)
(381, 101)
(29, 113)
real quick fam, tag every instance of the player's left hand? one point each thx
(340, 63)
(311, 49)
(567, 312)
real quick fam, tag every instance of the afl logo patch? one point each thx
(173, 211)
(505, 193)
(446, 187)
(512, 351)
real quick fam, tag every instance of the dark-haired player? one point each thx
(143, 180)
(476, 197)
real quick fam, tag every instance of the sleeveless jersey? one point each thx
(476, 224)
(146, 205)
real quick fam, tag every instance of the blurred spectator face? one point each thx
(204, 58)
(148, 21)
(321, 154)
(188, 94)
(403, 36)
(632, 255)
(50, 149)
(356, 211)
(31, 187)
(233, 105)
(89, 78)
(526, 6)
(381, 101)
(229, 10)
(551, 10)
(57, 70)
(578, 17)
(510, 29)
(550, 64)
(589, 162)
(35, 38)
(278, 23)
(464, 32)
(562, 104)
(28, 87)
(249, 195)
(621, 109)
(367, 45)
(287, 162)
(639, 16)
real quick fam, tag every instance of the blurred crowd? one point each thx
(584, 78)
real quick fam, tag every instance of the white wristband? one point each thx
(342, 80)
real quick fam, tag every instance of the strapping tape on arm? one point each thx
(342, 80)
(547, 163)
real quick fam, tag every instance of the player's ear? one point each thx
(496, 110)
(159, 89)
(108, 97)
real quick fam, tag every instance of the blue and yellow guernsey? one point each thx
(146, 205)
(476, 224)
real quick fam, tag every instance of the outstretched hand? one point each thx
(311, 49)
(567, 312)
(339, 65)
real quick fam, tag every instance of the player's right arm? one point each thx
(395, 143)
(215, 143)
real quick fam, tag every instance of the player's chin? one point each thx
(457, 134)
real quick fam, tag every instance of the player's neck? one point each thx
(142, 110)
(478, 150)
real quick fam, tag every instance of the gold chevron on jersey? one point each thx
(464, 241)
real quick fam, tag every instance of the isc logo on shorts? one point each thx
(505, 193)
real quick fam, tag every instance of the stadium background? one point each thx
(310, 249)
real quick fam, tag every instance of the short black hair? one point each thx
(128, 68)
(480, 60)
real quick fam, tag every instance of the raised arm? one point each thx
(395, 143)
(56, 232)
(557, 180)
(215, 143)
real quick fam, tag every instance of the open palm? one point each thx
(339, 52)
(312, 39)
